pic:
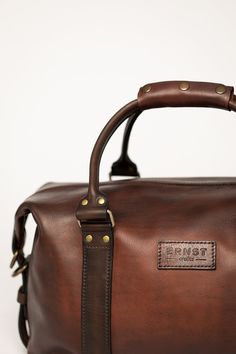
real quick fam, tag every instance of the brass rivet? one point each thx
(101, 201)
(89, 238)
(106, 239)
(220, 89)
(147, 88)
(184, 86)
(84, 202)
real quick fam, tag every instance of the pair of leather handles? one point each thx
(154, 95)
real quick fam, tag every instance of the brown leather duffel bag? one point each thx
(132, 266)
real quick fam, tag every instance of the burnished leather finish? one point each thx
(123, 166)
(153, 311)
(196, 94)
(158, 280)
(199, 94)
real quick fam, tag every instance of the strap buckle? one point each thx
(14, 258)
(20, 270)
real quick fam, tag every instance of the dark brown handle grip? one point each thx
(164, 94)
(184, 94)
(157, 95)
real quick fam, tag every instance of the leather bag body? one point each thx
(132, 266)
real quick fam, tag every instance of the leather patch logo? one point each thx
(187, 255)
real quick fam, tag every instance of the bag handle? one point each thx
(94, 206)
(124, 166)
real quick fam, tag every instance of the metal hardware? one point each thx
(88, 238)
(184, 86)
(110, 216)
(14, 259)
(109, 212)
(221, 89)
(147, 88)
(101, 201)
(84, 202)
(106, 239)
(20, 270)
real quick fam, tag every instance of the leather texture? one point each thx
(195, 94)
(163, 94)
(94, 287)
(153, 311)
(187, 255)
(124, 166)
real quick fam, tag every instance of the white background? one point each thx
(66, 66)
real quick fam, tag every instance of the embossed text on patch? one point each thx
(187, 255)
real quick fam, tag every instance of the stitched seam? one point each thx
(213, 250)
(107, 300)
(188, 242)
(107, 297)
(84, 291)
(159, 254)
(191, 242)
(97, 247)
(189, 266)
(177, 183)
(213, 255)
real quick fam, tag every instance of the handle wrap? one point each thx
(184, 94)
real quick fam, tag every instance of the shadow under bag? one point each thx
(132, 266)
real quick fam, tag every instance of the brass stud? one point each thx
(106, 239)
(220, 89)
(101, 201)
(84, 202)
(89, 238)
(184, 86)
(147, 88)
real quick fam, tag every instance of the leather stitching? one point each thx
(107, 299)
(102, 247)
(213, 254)
(106, 268)
(83, 300)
